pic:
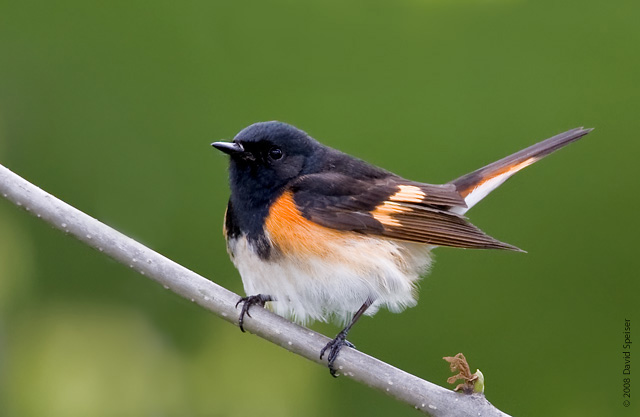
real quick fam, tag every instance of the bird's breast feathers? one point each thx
(318, 273)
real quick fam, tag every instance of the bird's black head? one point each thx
(266, 156)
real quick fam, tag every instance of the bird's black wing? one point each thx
(392, 207)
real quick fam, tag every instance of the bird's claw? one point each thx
(334, 348)
(249, 301)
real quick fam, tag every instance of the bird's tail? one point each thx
(478, 184)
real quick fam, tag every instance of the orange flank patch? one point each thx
(506, 171)
(295, 235)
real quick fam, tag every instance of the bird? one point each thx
(319, 235)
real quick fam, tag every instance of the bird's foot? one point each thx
(249, 301)
(334, 347)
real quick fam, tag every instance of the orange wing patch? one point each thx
(384, 213)
(295, 235)
(408, 194)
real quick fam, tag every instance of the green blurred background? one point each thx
(111, 106)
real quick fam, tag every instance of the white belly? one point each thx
(334, 286)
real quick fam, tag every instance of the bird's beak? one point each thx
(229, 148)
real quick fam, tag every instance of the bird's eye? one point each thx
(275, 153)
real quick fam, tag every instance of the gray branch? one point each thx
(423, 395)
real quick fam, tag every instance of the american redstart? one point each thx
(321, 235)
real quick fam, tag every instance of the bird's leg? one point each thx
(340, 340)
(247, 302)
